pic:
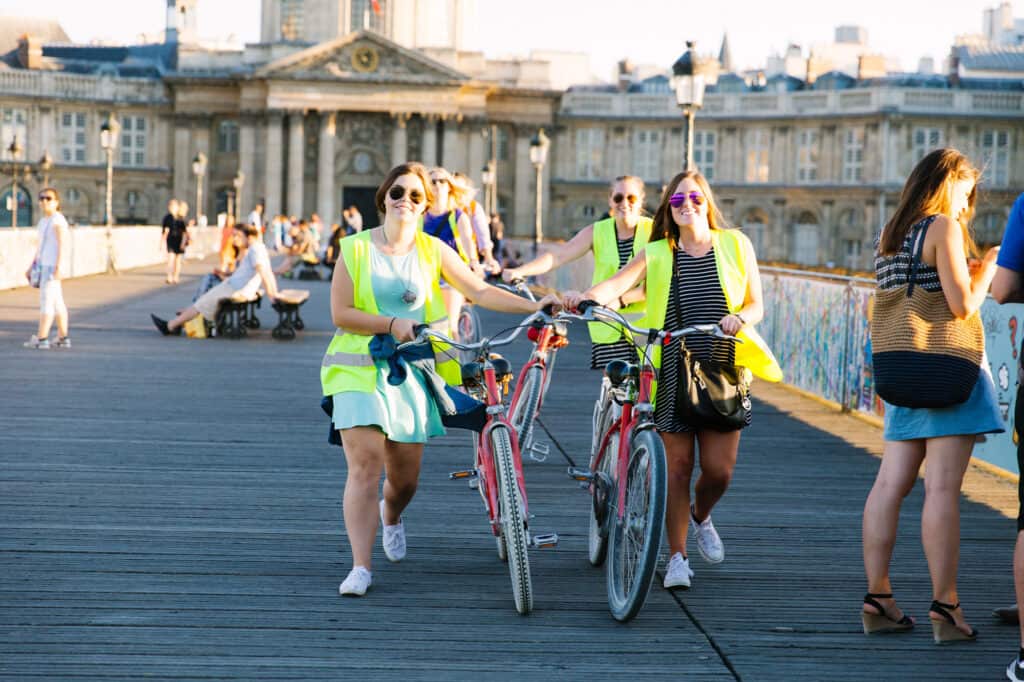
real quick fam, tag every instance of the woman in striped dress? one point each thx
(614, 241)
(714, 280)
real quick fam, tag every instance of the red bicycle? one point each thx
(548, 336)
(498, 469)
(627, 477)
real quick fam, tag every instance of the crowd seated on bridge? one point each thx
(304, 249)
(253, 270)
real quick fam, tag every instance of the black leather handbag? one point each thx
(712, 396)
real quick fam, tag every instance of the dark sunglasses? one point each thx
(398, 192)
(677, 200)
(631, 198)
(438, 181)
(47, 197)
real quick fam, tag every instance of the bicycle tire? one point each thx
(634, 541)
(524, 412)
(597, 531)
(513, 526)
(468, 329)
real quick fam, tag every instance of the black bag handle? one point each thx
(916, 251)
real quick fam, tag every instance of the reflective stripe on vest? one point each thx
(347, 365)
(753, 353)
(606, 264)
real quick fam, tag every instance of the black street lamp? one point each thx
(238, 182)
(45, 166)
(199, 170)
(688, 80)
(109, 132)
(538, 157)
(489, 176)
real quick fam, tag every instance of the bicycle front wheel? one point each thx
(635, 539)
(603, 486)
(513, 522)
(525, 410)
(468, 329)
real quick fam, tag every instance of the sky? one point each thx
(646, 31)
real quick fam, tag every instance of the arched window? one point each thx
(805, 239)
(24, 207)
(755, 222)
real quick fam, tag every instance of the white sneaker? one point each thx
(357, 582)
(36, 343)
(708, 542)
(393, 538)
(678, 572)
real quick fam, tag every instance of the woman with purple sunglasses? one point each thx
(694, 271)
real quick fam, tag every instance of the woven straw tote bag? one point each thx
(923, 355)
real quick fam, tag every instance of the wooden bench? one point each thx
(237, 315)
(287, 305)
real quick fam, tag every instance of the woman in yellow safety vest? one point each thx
(446, 221)
(694, 271)
(386, 281)
(614, 241)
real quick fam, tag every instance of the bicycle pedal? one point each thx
(539, 451)
(544, 541)
(468, 473)
(582, 475)
(474, 483)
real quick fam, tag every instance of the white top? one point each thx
(481, 228)
(48, 227)
(256, 219)
(245, 279)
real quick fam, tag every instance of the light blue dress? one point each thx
(980, 414)
(405, 413)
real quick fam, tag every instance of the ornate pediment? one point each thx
(362, 56)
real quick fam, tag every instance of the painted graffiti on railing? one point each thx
(818, 326)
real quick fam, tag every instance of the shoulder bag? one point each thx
(711, 395)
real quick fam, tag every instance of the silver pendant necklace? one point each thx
(410, 294)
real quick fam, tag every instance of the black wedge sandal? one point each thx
(880, 623)
(945, 630)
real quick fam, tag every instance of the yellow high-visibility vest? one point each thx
(347, 365)
(606, 264)
(730, 261)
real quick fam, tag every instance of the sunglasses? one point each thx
(47, 197)
(631, 198)
(397, 192)
(677, 200)
(438, 181)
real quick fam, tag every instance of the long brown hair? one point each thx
(665, 227)
(408, 168)
(927, 192)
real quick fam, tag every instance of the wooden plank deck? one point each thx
(169, 508)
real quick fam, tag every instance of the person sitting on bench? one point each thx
(304, 249)
(253, 269)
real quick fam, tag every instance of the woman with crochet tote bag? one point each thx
(926, 318)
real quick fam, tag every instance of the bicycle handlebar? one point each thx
(424, 334)
(596, 312)
(517, 286)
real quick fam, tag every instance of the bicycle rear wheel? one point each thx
(634, 540)
(468, 329)
(525, 410)
(603, 486)
(513, 523)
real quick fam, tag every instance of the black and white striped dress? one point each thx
(695, 297)
(603, 353)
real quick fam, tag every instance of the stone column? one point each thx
(296, 145)
(522, 208)
(429, 141)
(247, 198)
(273, 165)
(477, 158)
(182, 161)
(400, 140)
(450, 146)
(830, 244)
(780, 234)
(325, 188)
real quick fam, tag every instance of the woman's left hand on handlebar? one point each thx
(571, 299)
(403, 330)
(552, 300)
(731, 324)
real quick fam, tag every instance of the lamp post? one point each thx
(15, 149)
(199, 170)
(109, 132)
(688, 82)
(45, 166)
(538, 156)
(238, 182)
(488, 176)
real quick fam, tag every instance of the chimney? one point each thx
(625, 75)
(30, 52)
(870, 66)
(171, 32)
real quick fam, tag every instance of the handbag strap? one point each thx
(916, 250)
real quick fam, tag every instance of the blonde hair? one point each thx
(456, 193)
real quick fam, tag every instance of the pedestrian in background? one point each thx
(1008, 287)
(175, 238)
(936, 207)
(50, 264)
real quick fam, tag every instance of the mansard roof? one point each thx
(385, 61)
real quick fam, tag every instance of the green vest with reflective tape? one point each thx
(347, 365)
(730, 262)
(606, 264)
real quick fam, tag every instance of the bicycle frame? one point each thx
(547, 342)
